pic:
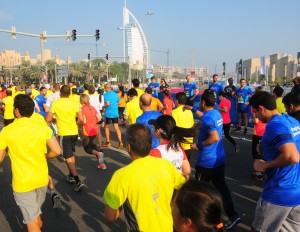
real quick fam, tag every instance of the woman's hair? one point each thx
(163, 81)
(166, 125)
(168, 93)
(121, 88)
(201, 203)
(259, 88)
(84, 99)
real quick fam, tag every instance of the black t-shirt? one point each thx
(163, 88)
(229, 89)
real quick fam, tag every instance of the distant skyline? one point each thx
(203, 33)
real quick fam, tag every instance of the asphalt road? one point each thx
(83, 211)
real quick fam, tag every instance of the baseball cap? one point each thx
(165, 124)
(28, 91)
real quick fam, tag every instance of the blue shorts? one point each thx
(242, 108)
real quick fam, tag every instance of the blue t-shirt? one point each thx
(283, 183)
(112, 110)
(216, 88)
(213, 155)
(189, 89)
(144, 118)
(154, 92)
(41, 100)
(243, 95)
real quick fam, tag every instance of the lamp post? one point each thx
(149, 14)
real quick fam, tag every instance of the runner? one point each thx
(243, 94)
(145, 102)
(225, 106)
(144, 188)
(278, 208)
(65, 111)
(111, 101)
(91, 131)
(184, 119)
(170, 136)
(132, 108)
(29, 182)
(190, 90)
(216, 87)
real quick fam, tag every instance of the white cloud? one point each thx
(5, 16)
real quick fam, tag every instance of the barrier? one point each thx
(233, 109)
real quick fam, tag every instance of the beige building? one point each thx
(277, 67)
(10, 58)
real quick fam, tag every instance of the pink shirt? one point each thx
(168, 104)
(225, 115)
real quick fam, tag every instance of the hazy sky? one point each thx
(213, 30)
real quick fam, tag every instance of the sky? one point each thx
(203, 33)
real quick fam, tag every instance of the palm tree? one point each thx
(50, 64)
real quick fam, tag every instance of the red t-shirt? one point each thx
(168, 104)
(225, 115)
(90, 127)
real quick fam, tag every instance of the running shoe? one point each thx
(55, 201)
(71, 179)
(121, 146)
(237, 148)
(102, 166)
(232, 222)
(237, 129)
(79, 186)
(107, 144)
(257, 176)
(245, 130)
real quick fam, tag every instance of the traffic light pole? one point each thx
(43, 37)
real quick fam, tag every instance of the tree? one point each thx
(176, 75)
(50, 64)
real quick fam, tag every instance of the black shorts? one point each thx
(111, 121)
(121, 111)
(68, 143)
(90, 143)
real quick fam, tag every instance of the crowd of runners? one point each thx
(46, 123)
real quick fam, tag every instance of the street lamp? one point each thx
(149, 14)
(123, 29)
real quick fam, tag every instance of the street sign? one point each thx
(62, 71)
(149, 71)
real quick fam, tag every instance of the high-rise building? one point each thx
(135, 43)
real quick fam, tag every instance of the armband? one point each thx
(194, 110)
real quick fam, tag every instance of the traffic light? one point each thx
(89, 56)
(97, 34)
(106, 56)
(74, 35)
(224, 64)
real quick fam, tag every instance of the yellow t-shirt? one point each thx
(17, 93)
(280, 106)
(155, 103)
(26, 141)
(34, 93)
(145, 186)
(9, 107)
(65, 110)
(38, 118)
(140, 92)
(48, 93)
(123, 100)
(184, 119)
(75, 98)
(133, 110)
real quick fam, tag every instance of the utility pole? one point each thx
(43, 37)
